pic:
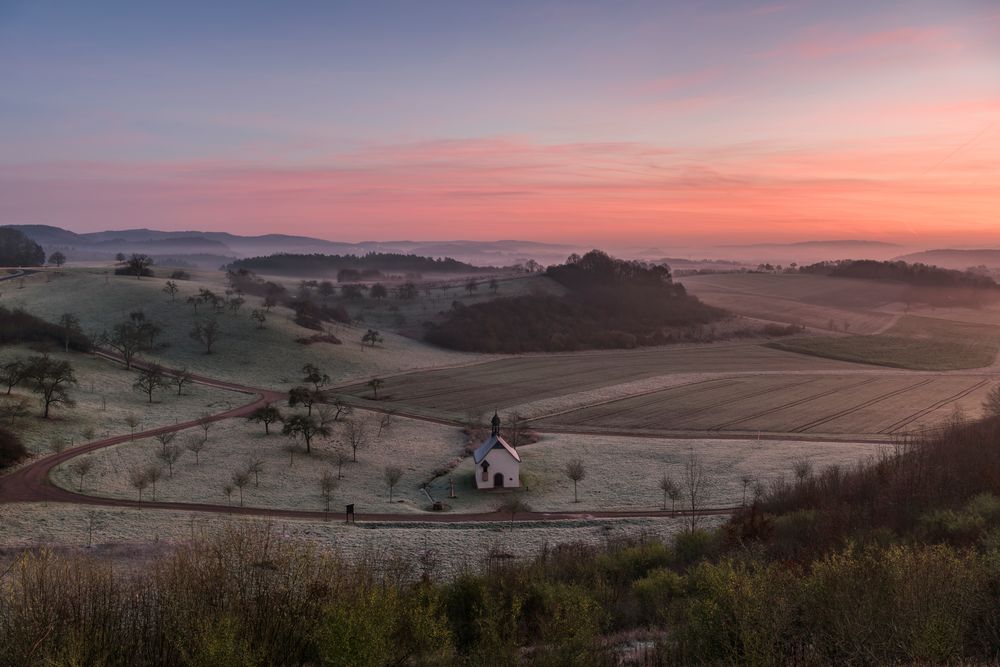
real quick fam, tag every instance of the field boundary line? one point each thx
(862, 406)
(793, 403)
(906, 421)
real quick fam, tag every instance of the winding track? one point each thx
(31, 483)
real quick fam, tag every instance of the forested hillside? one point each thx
(610, 303)
(922, 275)
(16, 249)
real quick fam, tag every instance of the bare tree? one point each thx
(93, 522)
(228, 490)
(314, 376)
(516, 427)
(154, 474)
(698, 486)
(376, 384)
(255, 466)
(51, 380)
(240, 479)
(149, 380)
(12, 373)
(139, 264)
(266, 415)
(802, 468)
(384, 422)
(132, 422)
(171, 289)
(70, 324)
(341, 408)
(327, 485)
(165, 438)
(259, 317)
(170, 455)
(670, 490)
(371, 338)
(80, 467)
(747, 480)
(304, 396)
(207, 333)
(196, 445)
(181, 378)
(307, 428)
(205, 422)
(292, 447)
(126, 338)
(471, 287)
(392, 475)
(341, 457)
(357, 437)
(513, 506)
(13, 408)
(139, 481)
(991, 404)
(576, 471)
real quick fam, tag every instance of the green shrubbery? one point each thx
(246, 598)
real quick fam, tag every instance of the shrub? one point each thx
(11, 448)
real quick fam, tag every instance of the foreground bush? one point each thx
(248, 598)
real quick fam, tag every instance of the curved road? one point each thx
(31, 483)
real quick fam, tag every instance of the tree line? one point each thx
(317, 263)
(923, 275)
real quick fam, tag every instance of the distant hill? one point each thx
(215, 248)
(846, 243)
(956, 259)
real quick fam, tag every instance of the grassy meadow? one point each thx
(268, 357)
(914, 342)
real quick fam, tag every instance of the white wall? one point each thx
(500, 461)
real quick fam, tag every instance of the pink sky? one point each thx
(775, 122)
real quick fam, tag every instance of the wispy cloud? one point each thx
(819, 43)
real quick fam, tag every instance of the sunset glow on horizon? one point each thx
(640, 122)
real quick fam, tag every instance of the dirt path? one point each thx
(32, 483)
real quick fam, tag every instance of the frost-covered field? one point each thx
(288, 479)
(104, 399)
(622, 473)
(450, 549)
